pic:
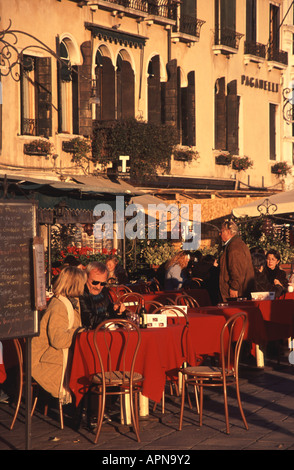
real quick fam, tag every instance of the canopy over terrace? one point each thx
(276, 204)
(76, 197)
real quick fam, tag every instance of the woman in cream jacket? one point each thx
(57, 328)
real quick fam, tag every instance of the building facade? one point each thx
(216, 70)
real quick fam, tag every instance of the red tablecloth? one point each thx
(268, 320)
(160, 352)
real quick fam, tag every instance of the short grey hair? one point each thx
(96, 265)
(231, 226)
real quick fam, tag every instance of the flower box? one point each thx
(281, 169)
(223, 159)
(38, 147)
(241, 163)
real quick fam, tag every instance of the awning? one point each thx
(281, 203)
(79, 195)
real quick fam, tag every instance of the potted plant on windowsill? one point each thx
(241, 163)
(224, 158)
(281, 169)
(185, 154)
(39, 147)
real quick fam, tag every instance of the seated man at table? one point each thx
(96, 303)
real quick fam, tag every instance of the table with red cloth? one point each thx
(2, 367)
(160, 351)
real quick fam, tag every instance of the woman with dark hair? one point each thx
(275, 275)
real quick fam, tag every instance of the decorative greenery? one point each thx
(224, 158)
(241, 163)
(185, 154)
(79, 148)
(158, 253)
(148, 145)
(260, 232)
(38, 147)
(281, 169)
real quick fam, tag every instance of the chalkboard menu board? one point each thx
(18, 316)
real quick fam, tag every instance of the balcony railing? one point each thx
(29, 126)
(227, 37)
(190, 25)
(140, 5)
(164, 8)
(255, 48)
(277, 55)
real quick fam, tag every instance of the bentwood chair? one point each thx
(178, 316)
(132, 300)
(117, 344)
(152, 305)
(231, 339)
(188, 300)
(34, 388)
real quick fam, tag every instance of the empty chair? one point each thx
(177, 316)
(132, 300)
(152, 305)
(231, 339)
(186, 299)
(117, 343)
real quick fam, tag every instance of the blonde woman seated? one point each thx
(62, 319)
(175, 271)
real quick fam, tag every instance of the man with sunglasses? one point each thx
(96, 303)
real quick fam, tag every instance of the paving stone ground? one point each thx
(268, 401)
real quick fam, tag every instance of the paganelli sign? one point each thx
(260, 84)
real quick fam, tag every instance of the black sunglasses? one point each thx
(96, 283)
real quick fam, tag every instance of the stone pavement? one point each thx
(268, 401)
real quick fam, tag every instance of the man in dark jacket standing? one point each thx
(236, 277)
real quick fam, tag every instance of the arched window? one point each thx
(125, 88)
(67, 92)
(36, 96)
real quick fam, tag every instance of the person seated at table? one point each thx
(116, 273)
(276, 276)
(60, 322)
(96, 302)
(175, 271)
(261, 282)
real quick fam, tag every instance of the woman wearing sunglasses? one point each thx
(96, 303)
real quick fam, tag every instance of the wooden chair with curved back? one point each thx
(34, 387)
(231, 339)
(188, 300)
(152, 305)
(132, 300)
(117, 343)
(178, 316)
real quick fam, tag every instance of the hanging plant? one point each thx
(80, 149)
(281, 169)
(38, 147)
(224, 158)
(241, 163)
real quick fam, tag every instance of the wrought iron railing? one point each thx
(255, 48)
(29, 126)
(277, 55)
(227, 37)
(190, 25)
(141, 5)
